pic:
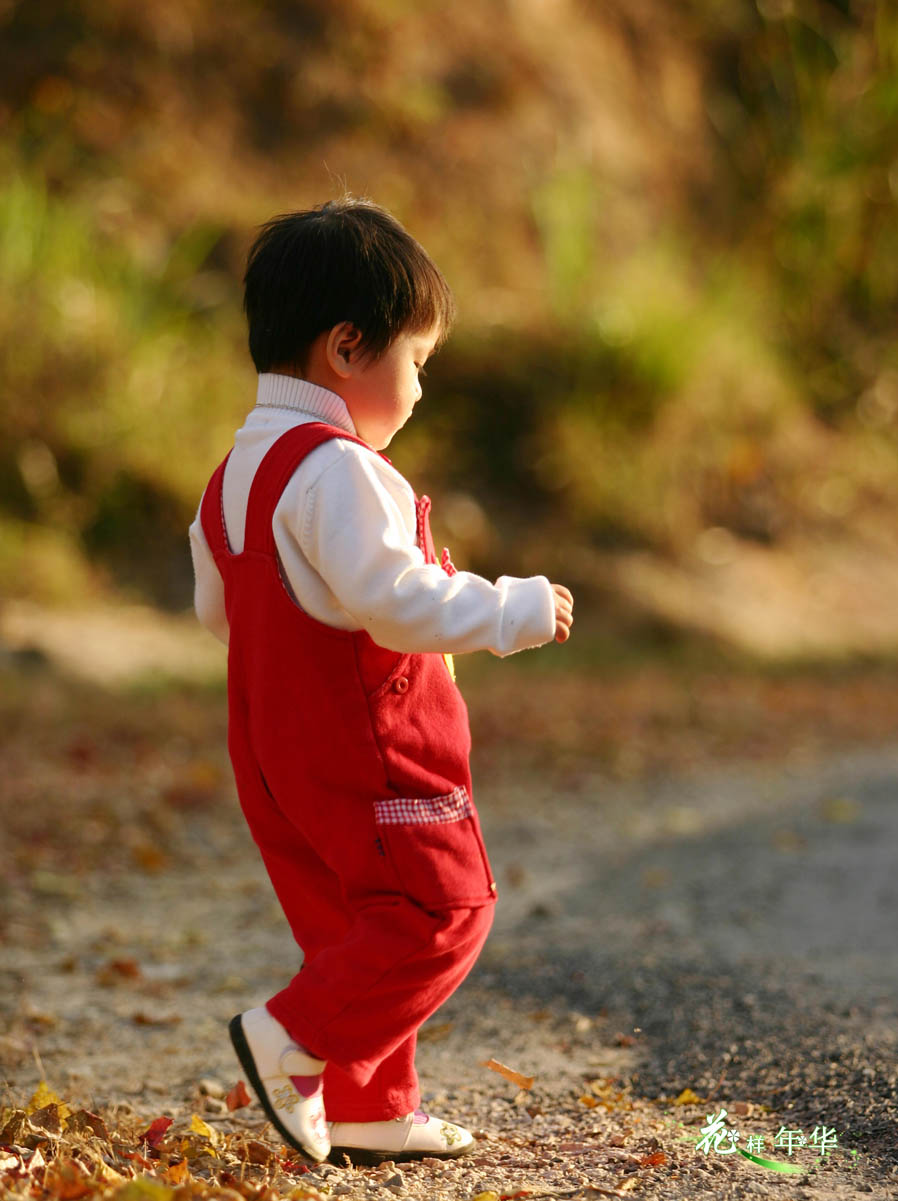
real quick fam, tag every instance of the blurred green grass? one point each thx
(108, 425)
(681, 323)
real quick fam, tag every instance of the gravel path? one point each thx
(733, 933)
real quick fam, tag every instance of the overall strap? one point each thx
(273, 474)
(212, 512)
(425, 538)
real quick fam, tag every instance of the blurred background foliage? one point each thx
(671, 229)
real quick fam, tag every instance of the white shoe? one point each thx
(286, 1080)
(416, 1136)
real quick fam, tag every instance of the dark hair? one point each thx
(348, 260)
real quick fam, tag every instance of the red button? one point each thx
(400, 684)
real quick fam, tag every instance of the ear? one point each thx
(343, 349)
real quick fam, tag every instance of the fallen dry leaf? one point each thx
(687, 1097)
(36, 1163)
(195, 1146)
(589, 1102)
(257, 1152)
(37, 1017)
(608, 1096)
(149, 857)
(116, 971)
(590, 1190)
(48, 1119)
(517, 1078)
(140, 1160)
(294, 1167)
(232, 1186)
(67, 1180)
(435, 1033)
(198, 785)
(198, 1126)
(177, 1173)
(108, 1173)
(82, 1121)
(144, 1188)
(44, 1096)
(653, 1160)
(155, 1132)
(12, 1122)
(238, 1096)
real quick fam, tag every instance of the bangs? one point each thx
(433, 305)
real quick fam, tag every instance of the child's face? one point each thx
(381, 393)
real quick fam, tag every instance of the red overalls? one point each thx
(351, 763)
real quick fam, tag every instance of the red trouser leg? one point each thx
(392, 1092)
(370, 978)
(359, 1002)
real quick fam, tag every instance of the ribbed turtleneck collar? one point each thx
(287, 392)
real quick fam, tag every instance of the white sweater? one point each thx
(345, 530)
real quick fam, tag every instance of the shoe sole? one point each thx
(241, 1047)
(363, 1158)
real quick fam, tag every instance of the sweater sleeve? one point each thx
(208, 588)
(356, 532)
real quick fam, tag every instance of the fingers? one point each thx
(564, 612)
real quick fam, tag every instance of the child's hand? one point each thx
(564, 612)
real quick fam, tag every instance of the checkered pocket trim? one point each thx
(419, 811)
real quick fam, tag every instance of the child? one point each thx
(348, 737)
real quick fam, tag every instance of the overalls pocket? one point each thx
(436, 849)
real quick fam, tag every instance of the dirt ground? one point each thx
(726, 928)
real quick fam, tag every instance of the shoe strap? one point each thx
(295, 1062)
(408, 1121)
